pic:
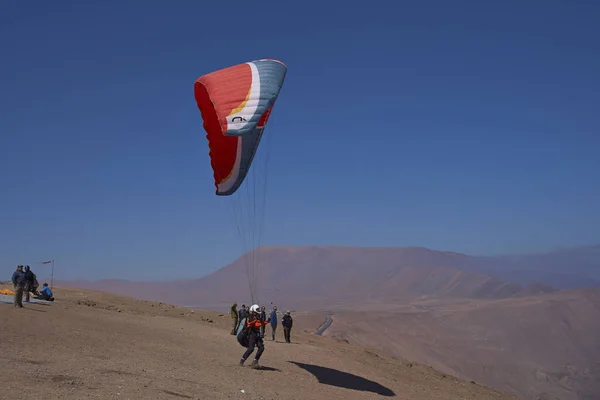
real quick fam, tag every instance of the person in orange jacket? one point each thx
(253, 324)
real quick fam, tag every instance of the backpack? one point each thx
(242, 334)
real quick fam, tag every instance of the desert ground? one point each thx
(93, 345)
(534, 347)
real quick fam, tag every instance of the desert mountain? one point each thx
(309, 277)
(315, 277)
(562, 269)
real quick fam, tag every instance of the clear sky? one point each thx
(455, 125)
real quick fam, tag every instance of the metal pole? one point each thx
(52, 276)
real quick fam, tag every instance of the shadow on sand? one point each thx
(41, 303)
(263, 368)
(333, 377)
(32, 309)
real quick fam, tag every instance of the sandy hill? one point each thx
(545, 346)
(93, 345)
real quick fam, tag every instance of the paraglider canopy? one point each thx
(235, 104)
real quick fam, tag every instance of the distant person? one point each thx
(273, 319)
(263, 318)
(253, 323)
(287, 323)
(45, 294)
(18, 280)
(29, 282)
(234, 318)
(242, 313)
(36, 285)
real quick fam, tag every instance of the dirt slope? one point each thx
(539, 345)
(92, 345)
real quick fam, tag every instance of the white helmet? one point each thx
(255, 308)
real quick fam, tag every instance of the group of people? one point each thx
(25, 282)
(255, 322)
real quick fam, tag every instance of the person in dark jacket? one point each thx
(35, 287)
(253, 323)
(263, 318)
(18, 280)
(287, 323)
(273, 319)
(29, 282)
(234, 318)
(242, 313)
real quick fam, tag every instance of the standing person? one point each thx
(263, 318)
(287, 323)
(253, 324)
(234, 318)
(273, 318)
(18, 280)
(29, 282)
(36, 285)
(242, 313)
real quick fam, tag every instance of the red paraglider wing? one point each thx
(235, 104)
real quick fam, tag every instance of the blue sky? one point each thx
(457, 125)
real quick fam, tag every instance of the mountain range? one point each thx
(315, 277)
